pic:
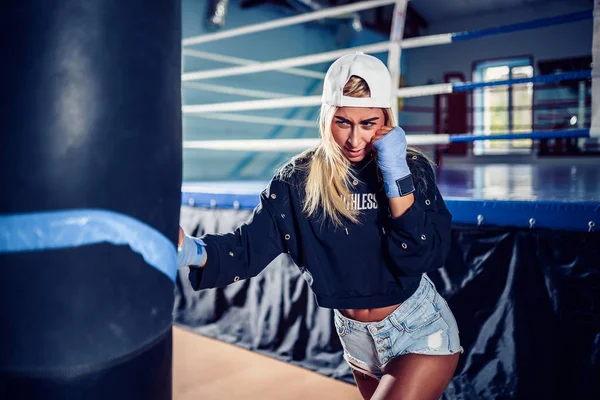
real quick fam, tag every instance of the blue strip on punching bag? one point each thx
(65, 229)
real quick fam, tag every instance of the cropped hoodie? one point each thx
(377, 262)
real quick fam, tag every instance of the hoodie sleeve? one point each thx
(419, 240)
(243, 253)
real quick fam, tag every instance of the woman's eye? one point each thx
(343, 123)
(368, 124)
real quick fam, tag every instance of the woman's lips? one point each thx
(354, 153)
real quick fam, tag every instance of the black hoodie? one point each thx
(375, 263)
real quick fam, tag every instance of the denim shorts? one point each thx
(423, 324)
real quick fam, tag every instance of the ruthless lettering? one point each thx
(362, 201)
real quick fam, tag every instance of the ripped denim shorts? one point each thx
(423, 324)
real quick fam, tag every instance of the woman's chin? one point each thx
(355, 156)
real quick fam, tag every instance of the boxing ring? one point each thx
(522, 274)
(93, 192)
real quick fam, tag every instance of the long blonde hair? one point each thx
(329, 177)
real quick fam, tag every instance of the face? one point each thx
(353, 128)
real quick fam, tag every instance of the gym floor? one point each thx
(204, 368)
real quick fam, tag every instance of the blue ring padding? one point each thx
(522, 26)
(570, 216)
(565, 133)
(550, 78)
(64, 229)
(220, 200)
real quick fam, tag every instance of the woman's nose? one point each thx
(354, 138)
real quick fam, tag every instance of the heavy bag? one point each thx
(91, 190)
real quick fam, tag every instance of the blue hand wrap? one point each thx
(391, 158)
(191, 252)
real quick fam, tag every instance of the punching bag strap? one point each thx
(73, 228)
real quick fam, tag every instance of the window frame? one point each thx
(477, 117)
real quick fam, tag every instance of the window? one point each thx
(503, 109)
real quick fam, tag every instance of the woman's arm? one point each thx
(240, 254)
(419, 225)
(190, 251)
(418, 241)
(399, 205)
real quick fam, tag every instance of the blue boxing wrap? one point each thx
(391, 159)
(191, 252)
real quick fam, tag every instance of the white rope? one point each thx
(425, 90)
(261, 94)
(204, 55)
(284, 63)
(595, 125)
(256, 119)
(293, 145)
(425, 41)
(313, 58)
(262, 145)
(283, 22)
(303, 101)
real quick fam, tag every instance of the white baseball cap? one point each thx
(367, 67)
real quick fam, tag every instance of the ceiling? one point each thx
(433, 10)
(420, 13)
(429, 10)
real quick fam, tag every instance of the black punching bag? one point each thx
(90, 194)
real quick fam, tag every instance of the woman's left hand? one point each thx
(381, 132)
(390, 145)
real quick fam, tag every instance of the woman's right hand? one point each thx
(180, 240)
(190, 251)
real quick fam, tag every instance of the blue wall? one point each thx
(293, 41)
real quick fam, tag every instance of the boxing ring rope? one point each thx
(285, 145)
(224, 111)
(284, 63)
(293, 145)
(547, 112)
(209, 111)
(234, 91)
(393, 47)
(283, 22)
(255, 119)
(406, 92)
(243, 61)
(426, 40)
(416, 42)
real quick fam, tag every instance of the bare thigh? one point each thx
(416, 377)
(365, 383)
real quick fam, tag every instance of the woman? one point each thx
(362, 218)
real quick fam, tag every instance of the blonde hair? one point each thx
(329, 177)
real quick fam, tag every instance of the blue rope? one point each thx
(550, 78)
(536, 24)
(565, 133)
